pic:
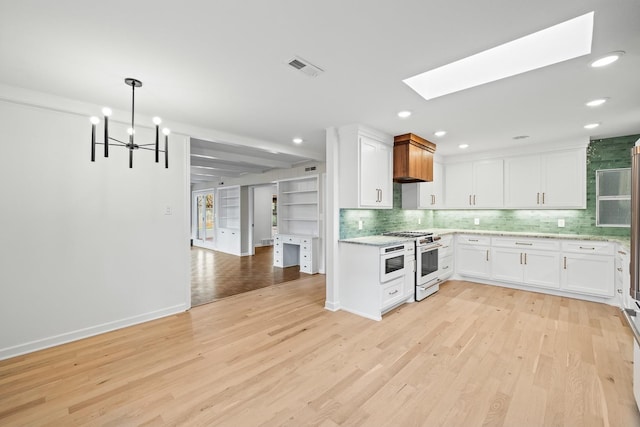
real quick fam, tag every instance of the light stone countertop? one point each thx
(379, 240)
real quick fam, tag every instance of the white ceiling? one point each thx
(222, 65)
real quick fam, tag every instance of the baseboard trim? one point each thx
(332, 305)
(41, 344)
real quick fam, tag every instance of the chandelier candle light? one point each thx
(131, 145)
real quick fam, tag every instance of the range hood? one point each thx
(412, 159)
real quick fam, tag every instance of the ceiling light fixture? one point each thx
(561, 42)
(609, 58)
(297, 140)
(131, 145)
(596, 102)
(404, 114)
(591, 125)
(463, 146)
(440, 133)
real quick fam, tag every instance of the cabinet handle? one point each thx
(565, 263)
(520, 257)
(394, 292)
(524, 243)
(537, 198)
(622, 253)
(446, 267)
(473, 240)
(525, 259)
(474, 199)
(469, 199)
(487, 254)
(619, 269)
(584, 247)
(433, 199)
(543, 198)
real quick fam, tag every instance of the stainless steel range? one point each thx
(426, 277)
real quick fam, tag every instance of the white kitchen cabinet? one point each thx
(588, 268)
(623, 276)
(532, 262)
(536, 268)
(546, 181)
(425, 195)
(473, 256)
(474, 185)
(365, 168)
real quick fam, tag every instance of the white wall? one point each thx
(85, 247)
(262, 199)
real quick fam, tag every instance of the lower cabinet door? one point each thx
(507, 265)
(588, 274)
(473, 261)
(542, 269)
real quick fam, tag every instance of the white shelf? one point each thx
(298, 206)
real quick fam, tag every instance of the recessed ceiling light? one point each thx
(463, 146)
(596, 102)
(591, 125)
(521, 137)
(558, 43)
(404, 114)
(297, 140)
(440, 133)
(609, 58)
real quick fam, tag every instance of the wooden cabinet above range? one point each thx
(412, 159)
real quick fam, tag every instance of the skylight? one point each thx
(561, 42)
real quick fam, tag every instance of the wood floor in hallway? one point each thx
(216, 275)
(470, 355)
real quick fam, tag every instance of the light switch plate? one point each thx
(359, 225)
(476, 221)
(561, 223)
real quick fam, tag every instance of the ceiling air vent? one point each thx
(305, 66)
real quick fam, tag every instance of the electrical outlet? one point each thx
(419, 221)
(360, 225)
(476, 221)
(561, 223)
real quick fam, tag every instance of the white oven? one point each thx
(392, 262)
(427, 281)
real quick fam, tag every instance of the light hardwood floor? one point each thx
(469, 355)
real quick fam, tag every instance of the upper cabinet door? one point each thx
(546, 181)
(365, 168)
(488, 184)
(376, 166)
(564, 182)
(472, 185)
(458, 184)
(522, 181)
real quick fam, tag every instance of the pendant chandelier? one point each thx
(131, 145)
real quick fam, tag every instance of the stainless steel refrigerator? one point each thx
(634, 269)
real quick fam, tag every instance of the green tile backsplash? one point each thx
(607, 153)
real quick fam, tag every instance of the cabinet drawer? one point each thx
(392, 293)
(305, 247)
(306, 267)
(291, 239)
(277, 262)
(305, 257)
(588, 247)
(306, 241)
(525, 244)
(466, 239)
